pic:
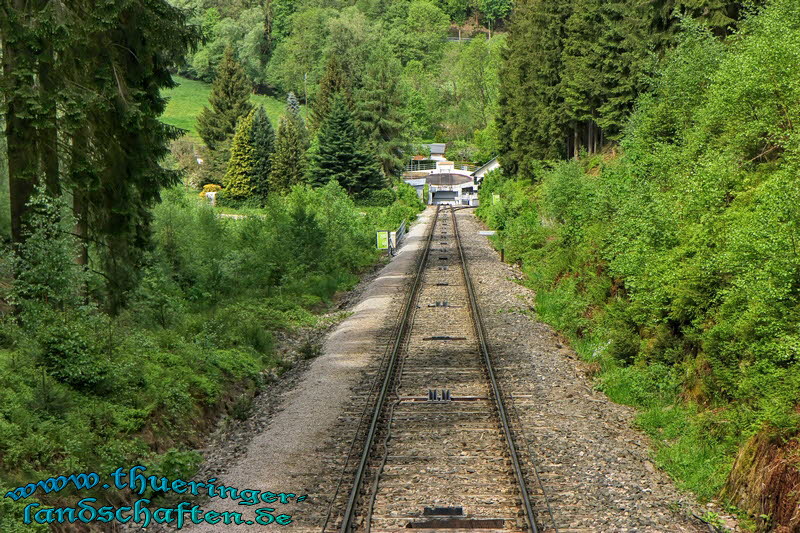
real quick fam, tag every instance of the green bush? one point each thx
(377, 198)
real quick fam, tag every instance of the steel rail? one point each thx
(498, 397)
(349, 513)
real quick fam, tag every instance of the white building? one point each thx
(494, 164)
(447, 186)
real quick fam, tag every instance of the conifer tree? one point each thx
(531, 121)
(334, 81)
(263, 141)
(293, 104)
(229, 101)
(342, 154)
(581, 78)
(293, 113)
(106, 147)
(624, 46)
(380, 115)
(239, 177)
(288, 160)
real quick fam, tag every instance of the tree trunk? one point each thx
(21, 131)
(575, 150)
(48, 138)
(80, 204)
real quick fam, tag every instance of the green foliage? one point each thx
(81, 108)
(81, 390)
(674, 266)
(298, 62)
(41, 279)
(229, 101)
(5, 215)
(239, 178)
(530, 120)
(263, 139)
(380, 111)
(11, 513)
(574, 70)
(288, 160)
(342, 156)
(335, 82)
(494, 10)
(378, 198)
(187, 98)
(421, 34)
(313, 50)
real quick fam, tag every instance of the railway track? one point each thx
(436, 448)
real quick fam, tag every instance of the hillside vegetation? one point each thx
(671, 262)
(186, 100)
(83, 391)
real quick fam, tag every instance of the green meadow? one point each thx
(188, 98)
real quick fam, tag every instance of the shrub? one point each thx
(377, 198)
(209, 187)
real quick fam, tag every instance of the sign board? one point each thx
(487, 233)
(383, 240)
(393, 239)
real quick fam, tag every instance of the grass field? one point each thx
(188, 98)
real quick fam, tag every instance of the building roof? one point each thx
(436, 148)
(489, 163)
(444, 178)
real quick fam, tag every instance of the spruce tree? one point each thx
(380, 115)
(625, 50)
(288, 160)
(293, 104)
(106, 145)
(334, 81)
(238, 180)
(342, 155)
(582, 78)
(293, 113)
(263, 141)
(531, 122)
(229, 101)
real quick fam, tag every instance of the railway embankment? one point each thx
(586, 466)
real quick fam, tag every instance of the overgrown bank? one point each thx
(84, 391)
(674, 268)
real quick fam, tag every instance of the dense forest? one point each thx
(648, 189)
